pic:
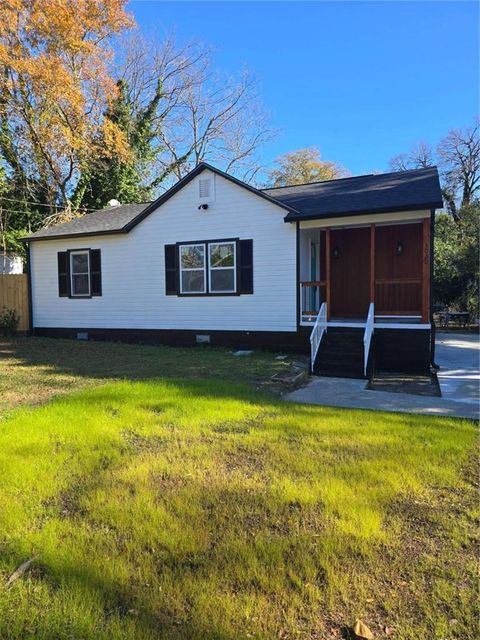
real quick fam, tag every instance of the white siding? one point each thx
(133, 271)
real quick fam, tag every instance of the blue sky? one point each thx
(362, 81)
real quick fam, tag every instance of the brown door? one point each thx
(350, 272)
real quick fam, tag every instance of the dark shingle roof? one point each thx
(399, 191)
(109, 220)
(124, 217)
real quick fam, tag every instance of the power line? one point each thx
(39, 204)
(11, 210)
(2, 209)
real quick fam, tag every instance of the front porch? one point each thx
(350, 268)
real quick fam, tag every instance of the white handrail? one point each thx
(317, 332)
(367, 336)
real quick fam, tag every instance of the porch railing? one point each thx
(367, 336)
(318, 330)
(398, 296)
(312, 295)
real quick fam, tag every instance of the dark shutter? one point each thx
(63, 274)
(95, 272)
(171, 269)
(246, 266)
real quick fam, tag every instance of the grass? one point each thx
(33, 370)
(202, 508)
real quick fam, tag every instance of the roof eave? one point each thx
(316, 216)
(72, 235)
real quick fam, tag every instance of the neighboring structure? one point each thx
(339, 268)
(10, 263)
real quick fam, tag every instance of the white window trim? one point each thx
(76, 253)
(182, 269)
(233, 268)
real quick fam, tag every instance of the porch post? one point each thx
(372, 263)
(327, 264)
(426, 270)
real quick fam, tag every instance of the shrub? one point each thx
(9, 320)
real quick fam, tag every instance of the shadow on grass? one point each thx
(121, 360)
(118, 602)
(218, 504)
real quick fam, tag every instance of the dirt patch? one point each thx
(244, 461)
(292, 376)
(140, 443)
(406, 383)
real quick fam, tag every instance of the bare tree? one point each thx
(421, 155)
(200, 114)
(459, 160)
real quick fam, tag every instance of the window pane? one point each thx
(80, 285)
(192, 257)
(222, 280)
(79, 262)
(221, 255)
(193, 281)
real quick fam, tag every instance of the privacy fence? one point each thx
(14, 295)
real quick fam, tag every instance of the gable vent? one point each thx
(204, 188)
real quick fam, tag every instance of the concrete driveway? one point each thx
(459, 378)
(459, 375)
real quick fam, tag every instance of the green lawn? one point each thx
(35, 370)
(178, 503)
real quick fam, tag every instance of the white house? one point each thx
(346, 263)
(10, 263)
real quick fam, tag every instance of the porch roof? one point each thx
(398, 191)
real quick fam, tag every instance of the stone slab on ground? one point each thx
(458, 376)
(353, 394)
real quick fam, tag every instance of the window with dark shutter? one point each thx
(245, 267)
(95, 272)
(171, 268)
(63, 274)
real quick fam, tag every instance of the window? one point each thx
(222, 271)
(192, 268)
(80, 273)
(209, 268)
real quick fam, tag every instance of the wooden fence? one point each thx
(14, 295)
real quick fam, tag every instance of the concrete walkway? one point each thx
(459, 377)
(458, 355)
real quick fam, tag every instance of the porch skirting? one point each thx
(288, 341)
(402, 350)
(395, 350)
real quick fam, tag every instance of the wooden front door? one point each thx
(350, 272)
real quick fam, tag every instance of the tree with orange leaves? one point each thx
(54, 89)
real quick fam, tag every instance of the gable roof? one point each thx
(122, 218)
(101, 222)
(384, 192)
